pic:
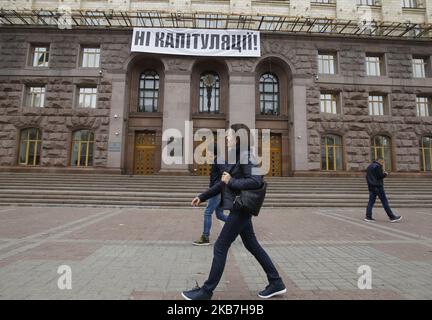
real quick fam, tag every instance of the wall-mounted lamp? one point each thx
(115, 116)
(116, 133)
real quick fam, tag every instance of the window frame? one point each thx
(217, 87)
(375, 147)
(335, 98)
(78, 95)
(89, 144)
(321, 62)
(277, 93)
(31, 56)
(29, 96)
(155, 108)
(381, 64)
(385, 104)
(422, 154)
(426, 104)
(410, 4)
(82, 47)
(335, 148)
(37, 146)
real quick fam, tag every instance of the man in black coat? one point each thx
(375, 179)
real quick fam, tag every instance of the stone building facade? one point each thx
(130, 142)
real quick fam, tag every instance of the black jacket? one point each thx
(241, 179)
(375, 175)
(216, 173)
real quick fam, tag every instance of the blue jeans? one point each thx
(212, 205)
(238, 224)
(380, 193)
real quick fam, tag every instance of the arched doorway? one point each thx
(272, 90)
(145, 115)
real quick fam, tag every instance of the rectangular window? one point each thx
(377, 105)
(409, 4)
(419, 67)
(35, 97)
(323, 1)
(326, 63)
(328, 103)
(90, 57)
(39, 56)
(87, 97)
(374, 65)
(366, 2)
(424, 108)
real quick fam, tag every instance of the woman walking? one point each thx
(239, 178)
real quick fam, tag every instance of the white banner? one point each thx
(197, 42)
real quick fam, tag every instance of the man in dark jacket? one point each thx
(375, 179)
(212, 204)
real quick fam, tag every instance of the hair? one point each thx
(239, 126)
(379, 158)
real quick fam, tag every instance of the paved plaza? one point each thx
(146, 253)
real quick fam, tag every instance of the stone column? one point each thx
(176, 111)
(116, 138)
(242, 99)
(298, 128)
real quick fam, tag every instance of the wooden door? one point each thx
(145, 152)
(275, 155)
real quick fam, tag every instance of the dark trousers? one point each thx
(238, 224)
(380, 193)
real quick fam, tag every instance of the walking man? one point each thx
(375, 179)
(212, 204)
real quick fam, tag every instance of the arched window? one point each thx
(82, 148)
(30, 147)
(269, 94)
(331, 153)
(209, 94)
(381, 147)
(148, 91)
(426, 154)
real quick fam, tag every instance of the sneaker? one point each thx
(369, 219)
(202, 241)
(396, 219)
(272, 290)
(196, 293)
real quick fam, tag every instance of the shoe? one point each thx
(369, 219)
(196, 293)
(396, 219)
(202, 241)
(272, 290)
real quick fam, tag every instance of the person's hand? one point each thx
(226, 177)
(195, 202)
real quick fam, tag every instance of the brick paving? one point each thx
(147, 253)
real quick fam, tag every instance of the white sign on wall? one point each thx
(197, 42)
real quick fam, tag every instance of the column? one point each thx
(176, 111)
(242, 99)
(116, 135)
(298, 129)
